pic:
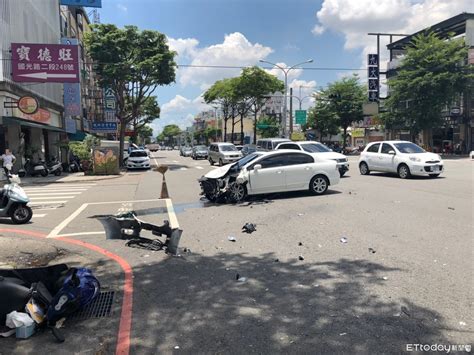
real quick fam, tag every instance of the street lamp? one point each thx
(285, 71)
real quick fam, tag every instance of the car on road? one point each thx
(200, 152)
(268, 144)
(138, 159)
(320, 150)
(401, 157)
(276, 171)
(223, 153)
(187, 151)
(248, 149)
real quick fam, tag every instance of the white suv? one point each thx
(223, 153)
(401, 157)
(319, 150)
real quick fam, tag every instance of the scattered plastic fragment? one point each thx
(300, 244)
(316, 285)
(300, 214)
(231, 239)
(276, 260)
(451, 208)
(249, 228)
(344, 240)
(186, 250)
(301, 257)
(372, 250)
(342, 334)
(405, 311)
(320, 246)
(176, 347)
(385, 278)
(462, 323)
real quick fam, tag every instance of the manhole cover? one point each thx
(100, 307)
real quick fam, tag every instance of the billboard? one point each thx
(104, 127)
(45, 63)
(85, 3)
(373, 77)
(72, 91)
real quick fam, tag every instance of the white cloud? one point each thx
(304, 90)
(181, 105)
(236, 50)
(122, 7)
(318, 30)
(292, 74)
(185, 47)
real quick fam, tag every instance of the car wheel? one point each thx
(21, 214)
(211, 161)
(319, 185)
(237, 192)
(364, 169)
(220, 162)
(434, 175)
(403, 171)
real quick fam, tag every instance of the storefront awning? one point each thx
(14, 120)
(78, 136)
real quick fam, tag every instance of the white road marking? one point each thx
(199, 167)
(79, 189)
(183, 168)
(40, 197)
(54, 193)
(54, 233)
(46, 202)
(35, 215)
(81, 233)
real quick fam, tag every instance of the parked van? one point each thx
(269, 144)
(223, 153)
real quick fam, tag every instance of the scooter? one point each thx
(13, 201)
(74, 165)
(54, 167)
(33, 169)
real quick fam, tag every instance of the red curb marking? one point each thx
(125, 326)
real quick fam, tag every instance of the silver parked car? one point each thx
(223, 153)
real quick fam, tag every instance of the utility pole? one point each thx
(291, 111)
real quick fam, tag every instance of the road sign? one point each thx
(300, 116)
(58, 63)
(104, 127)
(85, 3)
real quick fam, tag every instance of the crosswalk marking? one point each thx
(54, 193)
(41, 197)
(36, 215)
(34, 203)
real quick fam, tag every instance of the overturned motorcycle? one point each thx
(128, 226)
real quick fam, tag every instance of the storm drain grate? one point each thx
(100, 307)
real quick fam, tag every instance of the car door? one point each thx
(270, 178)
(298, 171)
(386, 161)
(373, 156)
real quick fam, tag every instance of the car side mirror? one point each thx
(257, 167)
(391, 152)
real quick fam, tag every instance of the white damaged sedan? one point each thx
(275, 171)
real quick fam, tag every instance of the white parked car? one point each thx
(319, 150)
(276, 171)
(401, 157)
(138, 159)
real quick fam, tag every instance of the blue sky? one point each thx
(240, 32)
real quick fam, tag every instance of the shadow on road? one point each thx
(413, 177)
(195, 302)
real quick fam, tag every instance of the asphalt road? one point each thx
(403, 277)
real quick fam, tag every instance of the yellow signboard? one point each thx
(358, 132)
(297, 136)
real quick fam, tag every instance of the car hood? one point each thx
(140, 159)
(201, 151)
(424, 156)
(329, 155)
(219, 172)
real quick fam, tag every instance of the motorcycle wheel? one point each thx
(44, 173)
(21, 214)
(57, 172)
(21, 174)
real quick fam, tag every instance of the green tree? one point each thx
(169, 133)
(149, 111)
(145, 133)
(431, 76)
(223, 93)
(344, 99)
(132, 63)
(322, 118)
(267, 127)
(253, 89)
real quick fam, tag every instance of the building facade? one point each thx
(456, 133)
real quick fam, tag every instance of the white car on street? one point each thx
(275, 171)
(138, 159)
(319, 150)
(401, 157)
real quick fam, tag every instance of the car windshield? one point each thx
(138, 153)
(315, 148)
(245, 160)
(408, 148)
(201, 147)
(228, 148)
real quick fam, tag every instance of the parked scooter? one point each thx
(54, 167)
(13, 201)
(33, 169)
(74, 164)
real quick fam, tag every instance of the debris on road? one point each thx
(405, 311)
(385, 278)
(238, 278)
(451, 208)
(344, 240)
(176, 347)
(301, 257)
(300, 244)
(249, 228)
(186, 250)
(342, 334)
(372, 250)
(231, 239)
(300, 214)
(276, 260)
(462, 324)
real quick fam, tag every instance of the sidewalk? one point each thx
(67, 178)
